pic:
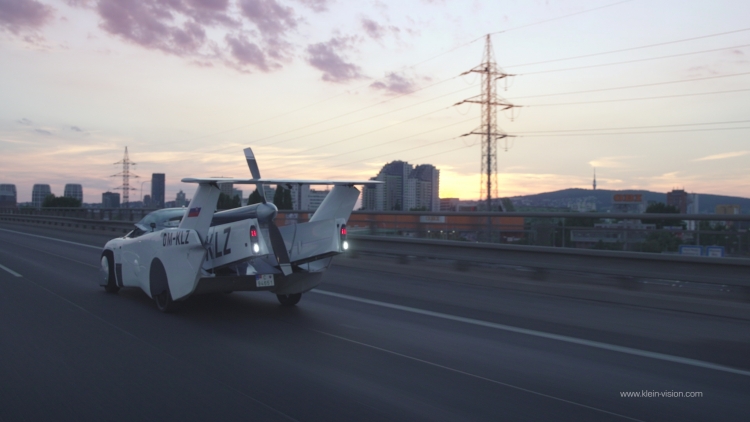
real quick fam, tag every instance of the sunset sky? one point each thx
(654, 94)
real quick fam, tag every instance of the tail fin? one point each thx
(339, 203)
(201, 210)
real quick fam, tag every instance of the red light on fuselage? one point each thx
(253, 232)
(343, 230)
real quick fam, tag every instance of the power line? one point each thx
(361, 120)
(636, 86)
(401, 139)
(372, 131)
(365, 108)
(558, 18)
(632, 61)
(639, 98)
(637, 133)
(378, 145)
(630, 48)
(641, 127)
(535, 132)
(396, 152)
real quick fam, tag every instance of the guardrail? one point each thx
(116, 228)
(622, 265)
(726, 235)
(625, 265)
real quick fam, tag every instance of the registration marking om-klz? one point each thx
(181, 237)
(213, 245)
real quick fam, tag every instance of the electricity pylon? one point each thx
(490, 102)
(126, 175)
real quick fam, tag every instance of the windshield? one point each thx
(168, 217)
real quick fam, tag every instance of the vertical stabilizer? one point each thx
(339, 203)
(201, 210)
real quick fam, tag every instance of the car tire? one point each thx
(160, 288)
(109, 262)
(289, 300)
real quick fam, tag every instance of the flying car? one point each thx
(175, 253)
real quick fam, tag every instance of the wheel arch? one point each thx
(157, 278)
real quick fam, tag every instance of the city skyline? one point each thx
(327, 89)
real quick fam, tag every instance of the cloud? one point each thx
(247, 53)
(43, 132)
(609, 162)
(723, 156)
(149, 24)
(316, 5)
(395, 84)
(328, 57)
(25, 121)
(76, 129)
(377, 31)
(271, 18)
(19, 15)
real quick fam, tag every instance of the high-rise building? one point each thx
(38, 193)
(73, 191)
(404, 188)
(180, 199)
(110, 200)
(157, 190)
(423, 188)
(301, 197)
(678, 198)
(8, 196)
(315, 198)
(226, 188)
(693, 204)
(146, 200)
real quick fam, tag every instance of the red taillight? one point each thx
(254, 239)
(344, 243)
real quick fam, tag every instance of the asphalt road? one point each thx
(374, 342)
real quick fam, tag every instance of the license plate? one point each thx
(264, 280)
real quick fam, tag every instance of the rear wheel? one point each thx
(289, 300)
(164, 301)
(160, 288)
(108, 272)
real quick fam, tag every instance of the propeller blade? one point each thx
(255, 172)
(279, 248)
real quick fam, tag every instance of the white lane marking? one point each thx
(10, 271)
(52, 238)
(476, 376)
(573, 340)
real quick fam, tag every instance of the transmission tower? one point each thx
(126, 175)
(490, 102)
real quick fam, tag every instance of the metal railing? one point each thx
(701, 234)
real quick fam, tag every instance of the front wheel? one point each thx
(108, 272)
(289, 300)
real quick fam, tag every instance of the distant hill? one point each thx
(603, 199)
